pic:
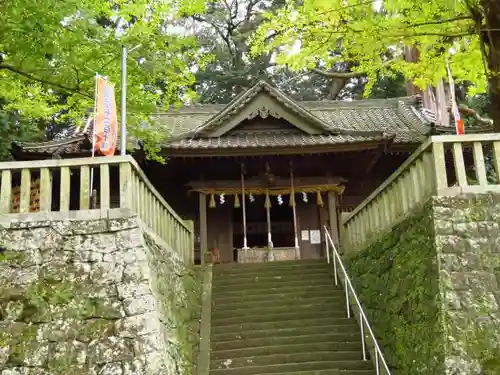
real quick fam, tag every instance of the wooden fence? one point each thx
(445, 165)
(132, 190)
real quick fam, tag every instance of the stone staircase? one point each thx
(282, 318)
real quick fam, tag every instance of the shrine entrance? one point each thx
(281, 222)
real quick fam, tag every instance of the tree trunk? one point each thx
(492, 41)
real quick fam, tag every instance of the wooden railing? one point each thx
(442, 166)
(131, 189)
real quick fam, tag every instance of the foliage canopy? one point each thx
(51, 50)
(372, 35)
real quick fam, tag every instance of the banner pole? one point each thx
(123, 129)
(92, 195)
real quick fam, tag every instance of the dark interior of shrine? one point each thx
(281, 223)
(363, 171)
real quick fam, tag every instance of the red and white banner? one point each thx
(106, 121)
(459, 124)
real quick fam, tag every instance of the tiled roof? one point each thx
(398, 117)
(74, 144)
(272, 139)
(331, 122)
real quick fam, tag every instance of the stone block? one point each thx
(30, 239)
(465, 230)
(95, 329)
(138, 325)
(119, 224)
(449, 244)
(443, 227)
(133, 289)
(67, 353)
(148, 343)
(89, 227)
(109, 349)
(100, 243)
(127, 239)
(140, 304)
(135, 367)
(114, 368)
(136, 272)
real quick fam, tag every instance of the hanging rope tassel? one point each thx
(236, 201)
(267, 203)
(211, 204)
(319, 199)
(291, 202)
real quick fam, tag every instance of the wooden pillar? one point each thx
(294, 213)
(203, 227)
(270, 244)
(243, 207)
(333, 217)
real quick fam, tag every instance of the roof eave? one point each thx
(265, 151)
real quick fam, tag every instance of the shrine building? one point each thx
(262, 175)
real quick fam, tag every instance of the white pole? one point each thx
(123, 128)
(92, 198)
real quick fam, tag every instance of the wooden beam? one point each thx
(257, 182)
(378, 154)
(266, 151)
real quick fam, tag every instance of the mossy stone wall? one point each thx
(430, 288)
(99, 296)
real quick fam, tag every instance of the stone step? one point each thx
(279, 317)
(291, 367)
(279, 300)
(269, 271)
(272, 341)
(274, 359)
(332, 305)
(299, 288)
(285, 349)
(282, 294)
(263, 286)
(221, 281)
(268, 265)
(282, 324)
(285, 332)
(327, 372)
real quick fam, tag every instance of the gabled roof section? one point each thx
(263, 100)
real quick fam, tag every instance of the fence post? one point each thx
(190, 241)
(126, 185)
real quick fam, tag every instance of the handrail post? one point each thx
(327, 252)
(347, 300)
(363, 343)
(335, 273)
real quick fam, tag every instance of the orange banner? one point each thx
(106, 122)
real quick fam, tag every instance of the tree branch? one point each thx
(469, 112)
(339, 75)
(41, 80)
(439, 22)
(224, 37)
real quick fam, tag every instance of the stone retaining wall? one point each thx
(93, 295)
(431, 288)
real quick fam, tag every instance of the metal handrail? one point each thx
(337, 261)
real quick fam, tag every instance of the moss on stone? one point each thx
(11, 256)
(397, 279)
(178, 289)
